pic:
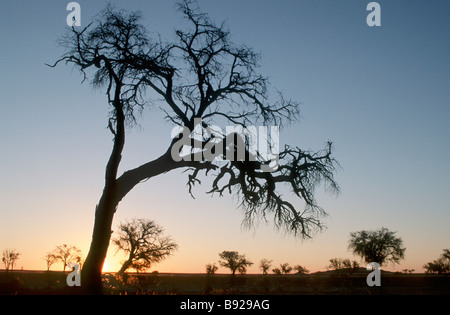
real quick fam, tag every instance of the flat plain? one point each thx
(22, 282)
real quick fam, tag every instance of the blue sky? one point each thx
(381, 94)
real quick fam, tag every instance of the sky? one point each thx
(381, 94)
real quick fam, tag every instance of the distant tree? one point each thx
(67, 254)
(264, 265)
(277, 271)
(440, 265)
(434, 267)
(300, 270)
(234, 261)
(9, 258)
(339, 263)
(446, 254)
(50, 259)
(144, 243)
(285, 268)
(203, 75)
(380, 246)
(335, 264)
(79, 260)
(343, 265)
(211, 269)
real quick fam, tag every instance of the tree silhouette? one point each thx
(201, 78)
(144, 243)
(9, 258)
(440, 265)
(211, 269)
(285, 269)
(339, 263)
(378, 246)
(277, 271)
(50, 259)
(234, 261)
(264, 265)
(343, 266)
(67, 254)
(300, 270)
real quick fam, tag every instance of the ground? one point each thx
(321, 283)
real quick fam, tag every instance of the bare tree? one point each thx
(67, 254)
(343, 266)
(201, 78)
(234, 261)
(50, 259)
(144, 243)
(264, 265)
(285, 268)
(9, 258)
(211, 269)
(339, 263)
(300, 270)
(380, 246)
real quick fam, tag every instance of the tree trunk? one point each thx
(91, 275)
(115, 190)
(125, 266)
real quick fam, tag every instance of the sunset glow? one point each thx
(379, 93)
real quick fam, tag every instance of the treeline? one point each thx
(144, 243)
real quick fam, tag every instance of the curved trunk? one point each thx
(125, 266)
(91, 274)
(115, 190)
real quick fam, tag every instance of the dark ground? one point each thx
(321, 283)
